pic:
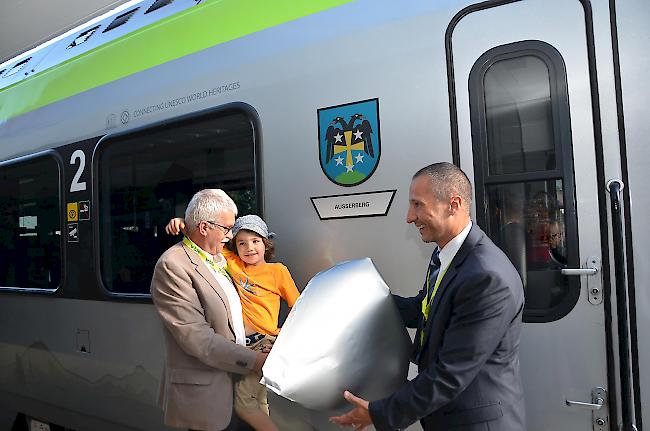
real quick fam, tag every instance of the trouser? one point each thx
(235, 424)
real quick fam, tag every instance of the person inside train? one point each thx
(557, 247)
(260, 285)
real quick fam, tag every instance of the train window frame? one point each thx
(240, 108)
(563, 148)
(60, 216)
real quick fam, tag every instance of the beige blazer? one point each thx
(196, 388)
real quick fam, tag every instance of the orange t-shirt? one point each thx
(260, 289)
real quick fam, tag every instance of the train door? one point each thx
(525, 135)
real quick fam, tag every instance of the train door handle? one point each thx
(597, 405)
(579, 271)
(598, 413)
(592, 267)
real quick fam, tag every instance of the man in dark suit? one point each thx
(468, 317)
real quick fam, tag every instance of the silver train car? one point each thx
(315, 114)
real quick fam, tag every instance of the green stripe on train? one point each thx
(192, 30)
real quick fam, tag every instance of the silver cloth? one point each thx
(343, 333)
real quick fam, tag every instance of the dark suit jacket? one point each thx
(469, 366)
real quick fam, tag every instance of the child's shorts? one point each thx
(250, 394)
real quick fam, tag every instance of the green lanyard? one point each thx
(206, 258)
(426, 302)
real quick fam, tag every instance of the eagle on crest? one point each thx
(346, 136)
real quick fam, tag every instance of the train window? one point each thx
(157, 5)
(148, 177)
(17, 68)
(30, 224)
(518, 118)
(83, 37)
(121, 19)
(523, 170)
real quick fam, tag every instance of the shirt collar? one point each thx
(210, 259)
(448, 252)
(219, 259)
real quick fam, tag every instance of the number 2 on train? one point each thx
(76, 185)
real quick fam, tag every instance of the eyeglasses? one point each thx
(226, 229)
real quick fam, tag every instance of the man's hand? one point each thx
(175, 226)
(357, 418)
(259, 362)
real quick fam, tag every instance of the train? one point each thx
(315, 115)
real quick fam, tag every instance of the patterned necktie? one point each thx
(434, 269)
(430, 283)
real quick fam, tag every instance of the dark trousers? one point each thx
(236, 424)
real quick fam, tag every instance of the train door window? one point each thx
(148, 177)
(30, 224)
(524, 170)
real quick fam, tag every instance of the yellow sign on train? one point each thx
(73, 211)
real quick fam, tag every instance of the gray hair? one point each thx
(446, 180)
(206, 205)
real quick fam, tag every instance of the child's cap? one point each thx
(252, 223)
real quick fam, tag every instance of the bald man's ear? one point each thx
(456, 204)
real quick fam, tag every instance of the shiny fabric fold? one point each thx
(344, 332)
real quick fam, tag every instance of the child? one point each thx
(260, 285)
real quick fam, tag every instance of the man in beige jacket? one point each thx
(202, 319)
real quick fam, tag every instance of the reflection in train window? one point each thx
(518, 116)
(30, 224)
(149, 176)
(527, 223)
(523, 170)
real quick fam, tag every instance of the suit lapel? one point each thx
(209, 278)
(470, 242)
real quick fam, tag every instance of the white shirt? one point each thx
(448, 252)
(233, 299)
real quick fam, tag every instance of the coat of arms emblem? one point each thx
(349, 141)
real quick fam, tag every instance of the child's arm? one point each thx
(175, 226)
(287, 287)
